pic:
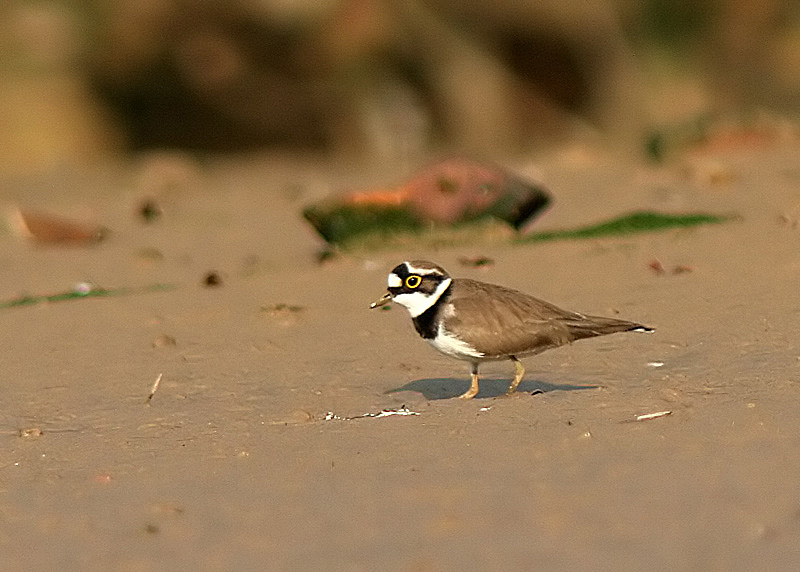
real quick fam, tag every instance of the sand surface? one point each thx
(234, 466)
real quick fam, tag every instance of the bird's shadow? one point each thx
(448, 387)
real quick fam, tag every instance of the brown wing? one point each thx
(502, 322)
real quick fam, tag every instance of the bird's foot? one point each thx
(473, 386)
(469, 394)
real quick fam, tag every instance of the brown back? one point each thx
(501, 322)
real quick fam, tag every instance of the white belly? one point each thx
(452, 346)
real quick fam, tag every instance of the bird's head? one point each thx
(417, 285)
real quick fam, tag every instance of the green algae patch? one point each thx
(633, 223)
(82, 290)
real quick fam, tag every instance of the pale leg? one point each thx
(520, 371)
(473, 388)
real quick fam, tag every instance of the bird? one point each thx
(477, 322)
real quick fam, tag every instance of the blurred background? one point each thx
(93, 80)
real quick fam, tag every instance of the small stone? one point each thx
(212, 279)
(149, 210)
(164, 341)
(32, 433)
(301, 416)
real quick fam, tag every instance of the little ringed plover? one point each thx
(475, 322)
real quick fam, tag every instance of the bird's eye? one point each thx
(413, 281)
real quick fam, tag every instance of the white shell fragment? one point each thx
(331, 416)
(648, 416)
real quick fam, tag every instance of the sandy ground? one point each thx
(233, 465)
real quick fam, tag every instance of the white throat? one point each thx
(417, 302)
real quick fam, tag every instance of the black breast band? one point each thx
(426, 323)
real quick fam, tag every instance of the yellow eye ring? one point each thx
(413, 281)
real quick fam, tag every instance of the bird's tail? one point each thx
(591, 326)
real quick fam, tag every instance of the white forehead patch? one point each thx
(418, 302)
(394, 280)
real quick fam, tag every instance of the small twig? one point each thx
(154, 388)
